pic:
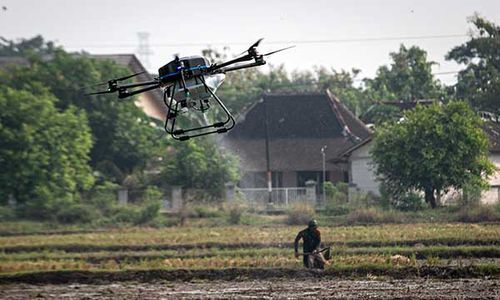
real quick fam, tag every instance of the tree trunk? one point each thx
(429, 197)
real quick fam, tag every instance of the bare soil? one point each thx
(311, 288)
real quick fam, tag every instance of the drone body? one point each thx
(189, 83)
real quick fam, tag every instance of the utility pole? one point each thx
(324, 172)
(143, 51)
(268, 159)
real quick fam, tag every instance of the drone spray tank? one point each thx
(188, 86)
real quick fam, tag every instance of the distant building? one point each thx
(298, 126)
(151, 102)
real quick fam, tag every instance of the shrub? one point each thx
(76, 213)
(236, 211)
(300, 214)
(125, 214)
(148, 212)
(410, 201)
(104, 197)
(479, 213)
(337, 210)
(336, 193)
(7, 213)
(207, 211)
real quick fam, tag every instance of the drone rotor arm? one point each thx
(99, 93)
(230, 62)
(124, 93)
(138, 84)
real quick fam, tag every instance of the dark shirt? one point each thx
(312, 240)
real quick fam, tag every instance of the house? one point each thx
(298, 127)
(492, 129)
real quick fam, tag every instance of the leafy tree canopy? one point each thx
(199, 164)
(44, 152)
(408, 78)
(479, 82)
(435, 148)
(121, 133)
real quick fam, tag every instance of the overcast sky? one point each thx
(337, 34)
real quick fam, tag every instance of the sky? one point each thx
(333, 34)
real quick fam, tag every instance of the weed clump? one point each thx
(300, 214)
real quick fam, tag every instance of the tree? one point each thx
(435, 148)
(123, 138)
(199, 164)
(479, 82)
(44, 152)
(408, 78)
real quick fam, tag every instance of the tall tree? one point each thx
(435, 148)
(409, 77)
(122, 137)
(479, 82)
(44, 152)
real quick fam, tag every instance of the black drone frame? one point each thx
(178, 81)
(173, 111)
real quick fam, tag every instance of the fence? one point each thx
(279, 196)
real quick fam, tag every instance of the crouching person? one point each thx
(311, 237)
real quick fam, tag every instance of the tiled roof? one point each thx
(299, 125)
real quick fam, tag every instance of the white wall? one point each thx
(362, 170)
(493, 194)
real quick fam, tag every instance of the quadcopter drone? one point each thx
(190, 83)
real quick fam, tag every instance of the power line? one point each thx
(326, 41)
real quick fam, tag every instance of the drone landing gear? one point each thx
(175, 108)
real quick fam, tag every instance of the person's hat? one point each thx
(313, 224)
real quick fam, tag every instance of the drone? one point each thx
(189, 83)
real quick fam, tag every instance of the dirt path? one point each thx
(265, 289)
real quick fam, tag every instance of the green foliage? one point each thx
(43, 151)
(433, 149)
(7, 213)
(479, 82)
(148, 212)
(379, 113)
(409, 77)
(236, 211)
(336, 198)
(76, 213)
(408, 202)
(123, 138)
(200, 164)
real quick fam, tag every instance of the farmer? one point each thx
(312, 242)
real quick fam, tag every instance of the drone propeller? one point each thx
(275, 51)
(251, 48)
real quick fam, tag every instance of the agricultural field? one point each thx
(241, 260)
